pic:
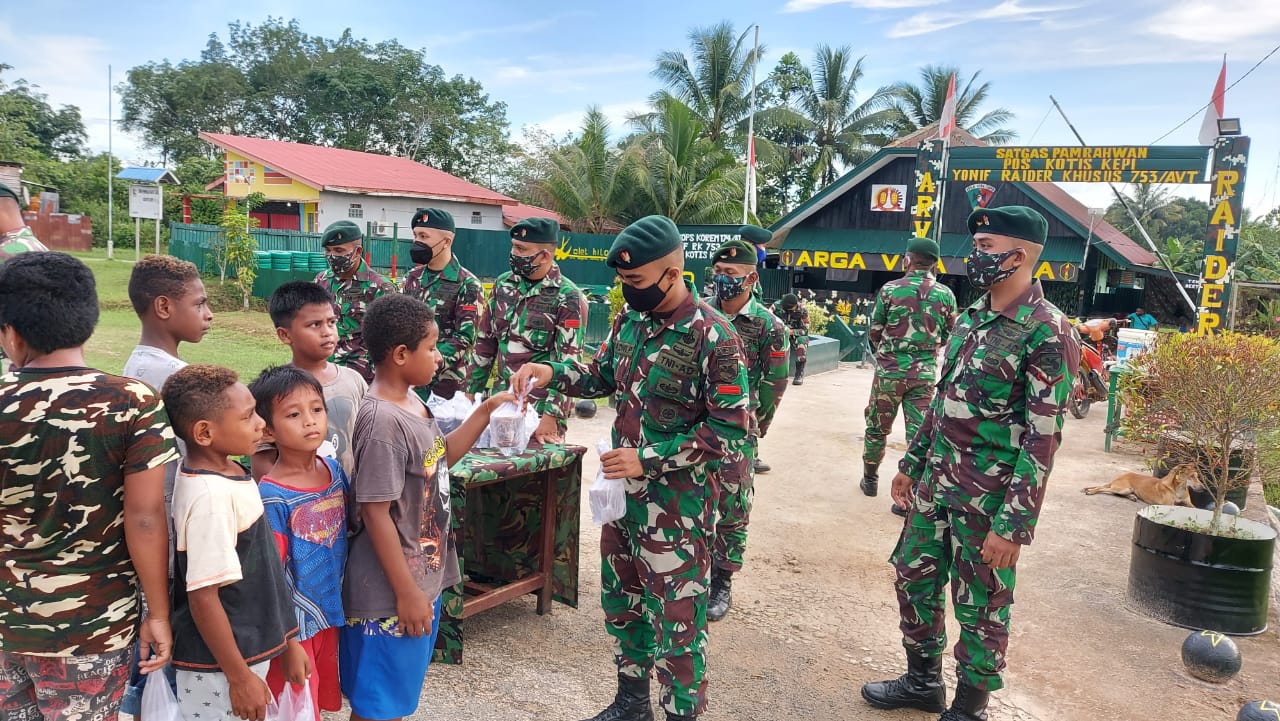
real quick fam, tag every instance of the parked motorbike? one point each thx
(1094, 376)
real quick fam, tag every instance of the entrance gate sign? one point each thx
(1079, 164)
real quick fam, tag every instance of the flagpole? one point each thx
(748, 188)
(111, 245)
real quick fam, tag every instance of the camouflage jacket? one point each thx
(987, 442)
(351, 298)
(455, 294)
(19, 241)
(529, 322)
(680, 384)
(912, 317)
(796, 319)
(764, 347)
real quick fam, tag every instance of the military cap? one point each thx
(7, 192)
(1015, 221)
(536, 230)
(755, 234)
(432, 218)
(645, 241)
(736, 252)
(790, 300)
(339, 232)
(925, 247)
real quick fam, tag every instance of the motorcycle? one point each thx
(1092, 379)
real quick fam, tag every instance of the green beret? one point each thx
(737, 252)
(1015, 221)
(925, 247)
(790, 300)
(645, 241)
(339, 232)
(7, 192)
(432, 218)
(536, 230)
(755, 234)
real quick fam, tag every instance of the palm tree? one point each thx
(715, 83)
(684, 175)
(844, 132)
(921, 105)
(590, 182)
(1153, 206)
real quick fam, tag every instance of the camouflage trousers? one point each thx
(654, 573)
(882, 408)
(800, 351)
(735, 487)
(938, 545)
(356, 361)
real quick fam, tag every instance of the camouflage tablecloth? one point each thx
(497, 516)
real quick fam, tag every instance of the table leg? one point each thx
(1113, 411)
(548, 556)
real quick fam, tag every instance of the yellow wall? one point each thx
(236, 187)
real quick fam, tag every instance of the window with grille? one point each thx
(476, 219)
(355, 210)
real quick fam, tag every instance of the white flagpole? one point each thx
(111, 241)
(749, 188)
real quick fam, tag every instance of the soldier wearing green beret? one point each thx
(758, 237)
(675, 367)
(796, 317)
(15, 236)
(764, 344)
(353, 285)
(534, 314)
(973, 478)
(452, 291)
(909, 323)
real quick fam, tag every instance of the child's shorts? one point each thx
(322, 649)
(65, 688)
(382, 670)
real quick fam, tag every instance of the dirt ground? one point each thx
(815, 616)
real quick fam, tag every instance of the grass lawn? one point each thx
(244, 341)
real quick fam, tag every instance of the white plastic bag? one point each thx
(158, 701)
(608, 496)
(451, 412)
(294, 704)
(506, 429)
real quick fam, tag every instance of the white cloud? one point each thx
(522, 29)
(931, 22)
(562, 73)
(571, 121)
(1219, 21)
(802, 6)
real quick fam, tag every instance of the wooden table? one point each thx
(508, 544)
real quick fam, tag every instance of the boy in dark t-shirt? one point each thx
(232, 611)
(401, 554)
(82, 457)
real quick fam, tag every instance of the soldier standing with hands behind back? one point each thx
(974, 476)
(910, 321)
(675, 367)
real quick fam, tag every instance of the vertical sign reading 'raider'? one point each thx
(927, 187)
(1230, 159)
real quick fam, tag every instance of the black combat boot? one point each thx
(897, 510)
(920, 687)
(870, 484)
(760, 466)
(970, 704)
(630, 704)
(720, 599)
(799, 379)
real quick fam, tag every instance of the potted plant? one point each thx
(1205, 400)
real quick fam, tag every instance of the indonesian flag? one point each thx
(947, 122)
(751, 174)
(1217, 106)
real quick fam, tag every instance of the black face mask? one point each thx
(647, 298)
(421, 253)
(525, 265)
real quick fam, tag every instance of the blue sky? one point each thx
(1125, 71)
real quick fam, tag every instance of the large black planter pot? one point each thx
(1199, 581)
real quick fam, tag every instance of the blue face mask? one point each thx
(728, 287)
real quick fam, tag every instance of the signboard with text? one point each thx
(892, 262)
(1230, 159)
(144, 202)
(1079, 164)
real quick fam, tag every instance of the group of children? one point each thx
(320, 564)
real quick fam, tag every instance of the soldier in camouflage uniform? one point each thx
(453, 292)
(974, 476)
(796, 317)
(534, 314)
(353, 285)
(15, 236)
(910, 321)
(675, 367)
(764, 344)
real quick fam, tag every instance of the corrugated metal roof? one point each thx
(148, 175)
(351, 171)
(512, 214)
